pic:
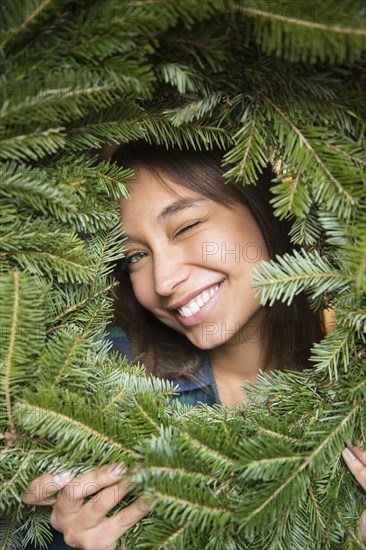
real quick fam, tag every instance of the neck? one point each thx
(239, 360)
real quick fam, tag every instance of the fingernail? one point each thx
(116, 470)
(144, 506)
(349, 454)
(63, 478)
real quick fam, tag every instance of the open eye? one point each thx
(184, 229)
(131, 260)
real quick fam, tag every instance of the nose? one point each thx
(169, 272)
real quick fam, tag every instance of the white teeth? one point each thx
(185, 311)
(195, 305)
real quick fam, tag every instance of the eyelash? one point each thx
(183, 230)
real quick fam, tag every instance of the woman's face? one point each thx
(191, 260)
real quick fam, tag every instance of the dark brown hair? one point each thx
(289, 331)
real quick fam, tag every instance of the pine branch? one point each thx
(29, 19)
(194, 512)
(292, 196)
(47, 423)
(69, 265)
(18, 321)
(291, 274)
(62, 105)
(32, 146)
(333, 353)
(9, 358)
(306, 231)
(352, 318)
(36, 188)
(249, 151)
(301, 37)
(10, 537)
(10, 485)
(181, 77)
(327, 186)
(293, 486)
(194, 109)
(194, 134)
(89, 299)
(106, 249)
(110, 178)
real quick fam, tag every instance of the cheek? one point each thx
(142, 290)
(231, 250)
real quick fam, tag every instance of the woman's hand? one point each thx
(85, 526)
(355, 459)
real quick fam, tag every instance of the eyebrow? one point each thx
(172, 209)
(178, 206)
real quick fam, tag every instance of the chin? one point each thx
(210, 342)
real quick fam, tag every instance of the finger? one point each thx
(107, 533)
(363, 525)
(360, 453)
(355, 466)
(95, 510)
(39, 490)
(127, 518)
(74, 492)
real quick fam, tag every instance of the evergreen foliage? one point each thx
(281, 81)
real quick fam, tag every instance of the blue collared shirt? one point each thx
(203, 390)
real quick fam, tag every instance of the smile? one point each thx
(196, 310)
(197, 303)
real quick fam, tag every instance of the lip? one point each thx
(203, 312)
(190, 297)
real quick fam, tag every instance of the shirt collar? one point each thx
(205, 378)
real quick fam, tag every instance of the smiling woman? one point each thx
(193, 243)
